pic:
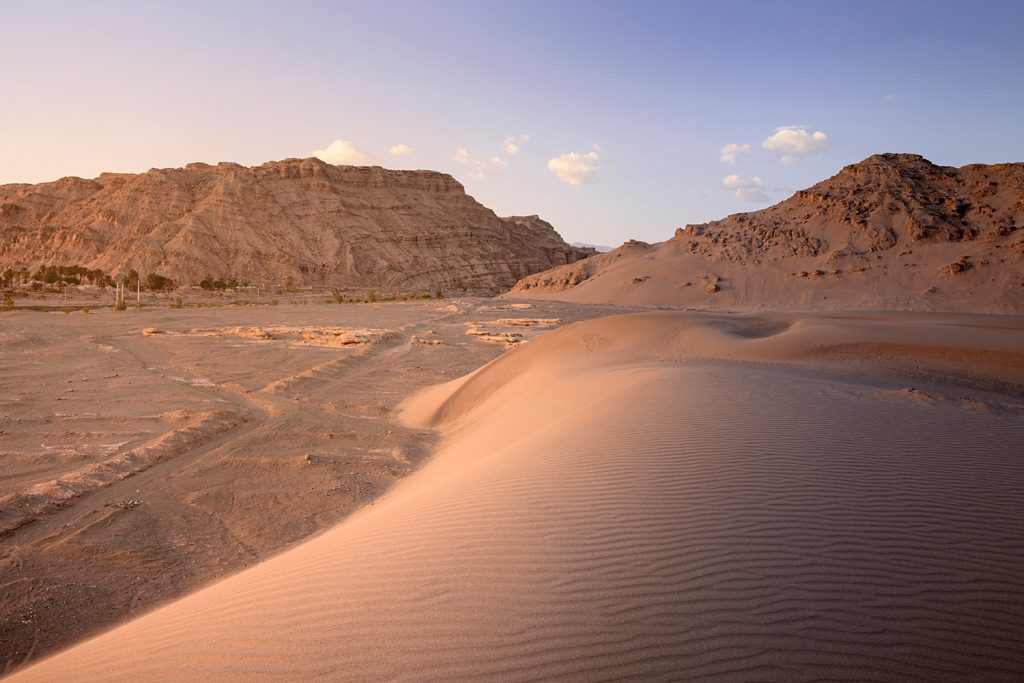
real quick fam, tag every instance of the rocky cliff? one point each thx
(298, 220)
(893, 231)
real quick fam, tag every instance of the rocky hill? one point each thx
(298, 220)
(893, 231)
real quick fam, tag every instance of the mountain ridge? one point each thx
(298, 220)
(891, 231)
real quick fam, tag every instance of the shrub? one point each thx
(7, 304)
(273, 302)
(120, 305)
(176, 303)
(439, 294)
(66, 309)
(209, 284)
(85, 309)
(157, 283)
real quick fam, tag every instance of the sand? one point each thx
(657, 496)
(137, 466)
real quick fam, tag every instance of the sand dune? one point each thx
(662, 495)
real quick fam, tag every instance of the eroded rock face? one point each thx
(875, 235)
(885, 201)
(303, 219)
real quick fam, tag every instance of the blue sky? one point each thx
(618, 110)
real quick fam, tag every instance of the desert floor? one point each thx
(662, 495)
(146, 452)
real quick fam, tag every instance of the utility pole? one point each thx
(138, 289)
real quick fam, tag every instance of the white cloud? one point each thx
(400, 150)
(575, 169)
(731, 152)
(513, 142)
(745, 190)
(342, 152)
(477, 167)
(793, 142)
(499, 161)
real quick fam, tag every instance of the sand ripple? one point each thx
(630, 517)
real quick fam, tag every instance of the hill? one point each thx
(894, 231)
(301, 221)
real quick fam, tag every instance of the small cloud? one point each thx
(792, 143)
(498, 161)
(342, 152)
(745, 190)
(596, 146)
(893, 97)
(575, 169)
(731, 152)
(513, 142)
(476, 166)
(400, 150)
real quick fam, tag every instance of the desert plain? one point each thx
(145, 452)
(475, 488)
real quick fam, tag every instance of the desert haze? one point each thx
(314, 365)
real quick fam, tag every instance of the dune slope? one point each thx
(658, 496)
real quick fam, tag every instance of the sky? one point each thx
(611, 120)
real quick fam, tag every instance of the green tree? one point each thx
(158, 283)
(131, 278)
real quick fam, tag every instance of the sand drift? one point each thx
(658, 496)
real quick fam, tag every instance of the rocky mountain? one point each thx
(893, 231)
(600, 248)
(298, 220)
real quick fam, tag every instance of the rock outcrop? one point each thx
(301, 221)
(893, 231)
